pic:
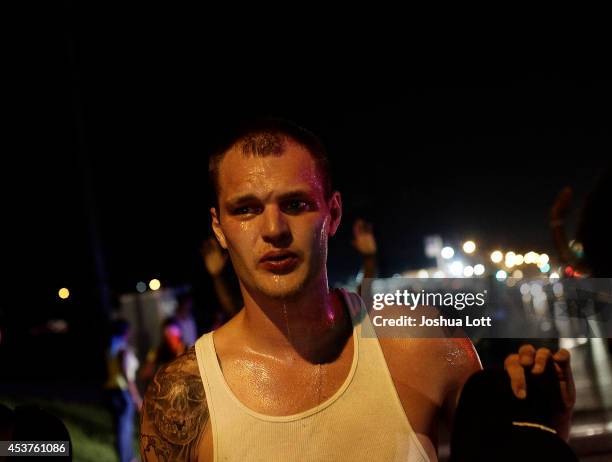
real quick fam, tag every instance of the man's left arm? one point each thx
(460, 372)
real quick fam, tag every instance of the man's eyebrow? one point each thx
(245, 198)
(298, 193)
(242, 199)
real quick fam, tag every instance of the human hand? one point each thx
(537, 363)
(363, 238)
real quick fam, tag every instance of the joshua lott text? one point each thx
(440, 321)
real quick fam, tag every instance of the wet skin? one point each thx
(291, 347)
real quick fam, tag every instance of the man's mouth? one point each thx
(279, 262)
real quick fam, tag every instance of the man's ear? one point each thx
(335, 212)
(216, 227)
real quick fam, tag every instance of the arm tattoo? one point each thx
(175, 406)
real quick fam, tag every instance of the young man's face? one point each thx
(274, 220)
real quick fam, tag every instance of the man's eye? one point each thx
(245, 210)
(295, 206)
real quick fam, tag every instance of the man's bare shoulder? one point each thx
(174, 411)
(443, 359)
(436, 353)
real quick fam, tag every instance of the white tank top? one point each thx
(363, 421)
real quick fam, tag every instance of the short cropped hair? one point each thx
(267, 137)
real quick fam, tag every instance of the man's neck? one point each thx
(315, 325)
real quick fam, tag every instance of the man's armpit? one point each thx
(174, 411)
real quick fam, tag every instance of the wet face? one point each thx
(274, 220)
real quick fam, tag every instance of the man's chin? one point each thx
(282, 287)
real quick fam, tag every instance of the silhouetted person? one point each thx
(491, 424)
(591, 251)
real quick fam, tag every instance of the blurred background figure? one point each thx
(215, 261)
(365, 243)
(121, 393)
(171, 346)
(590, 252)
(185, 320)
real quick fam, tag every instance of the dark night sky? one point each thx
(128, 109)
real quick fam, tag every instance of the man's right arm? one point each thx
(174, 413)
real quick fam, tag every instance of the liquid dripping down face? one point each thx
(274, 219)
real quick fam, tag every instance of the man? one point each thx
(290, 377)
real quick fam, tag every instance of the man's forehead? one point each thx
(241, 174)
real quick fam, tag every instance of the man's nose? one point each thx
(275, 229)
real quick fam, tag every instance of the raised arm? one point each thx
(175, 412)
(558, 212)
(215, 261)
(365, 243)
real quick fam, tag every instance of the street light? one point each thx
(447, 253)
(501, 275)
(517, 274)
(545, 268)
(469, 246)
